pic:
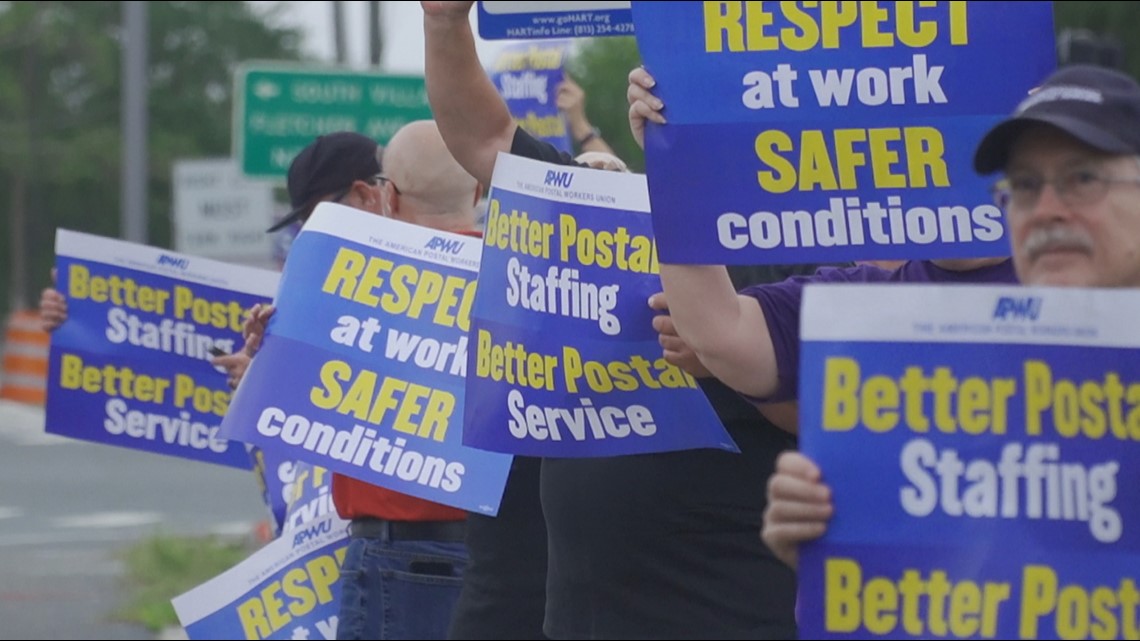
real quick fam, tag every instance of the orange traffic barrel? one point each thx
(24, 377)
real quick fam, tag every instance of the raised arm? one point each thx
(472, 117)
(571, 101)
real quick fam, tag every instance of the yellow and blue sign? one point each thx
(564, 359)
(131, 365)
(289, 589)
(832, 131)
(362, 369)
(527, 76)
(981, 447)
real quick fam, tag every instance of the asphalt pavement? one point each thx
(69, 508)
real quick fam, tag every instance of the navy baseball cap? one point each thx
(1098, 106)
(331, 163)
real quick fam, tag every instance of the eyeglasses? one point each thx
(371, 180)
(384, 180)
(342, 194)
(1075, 187)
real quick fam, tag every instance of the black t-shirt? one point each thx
(667, 545)
(504, 585)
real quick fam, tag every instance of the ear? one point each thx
(363, 192)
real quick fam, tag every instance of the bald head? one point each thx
(430, 181)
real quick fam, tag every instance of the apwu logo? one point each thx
(559, 179)
(441, 244)
(312, 532)
(165, 260)
(1018, 308)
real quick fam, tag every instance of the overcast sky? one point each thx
(403, 33)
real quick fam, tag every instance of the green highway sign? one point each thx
(278, 110)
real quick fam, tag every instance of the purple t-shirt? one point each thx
(781, 305)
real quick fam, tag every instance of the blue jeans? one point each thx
(399, 589)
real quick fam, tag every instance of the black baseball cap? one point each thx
(1098, 106)
(331, 163)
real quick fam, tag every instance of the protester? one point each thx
(1071, 158)
(646, 546)
(403, 570)
(504, 587)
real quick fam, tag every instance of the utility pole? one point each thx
(338, 31)
(22, 171)
(133, 121)
(375, 33)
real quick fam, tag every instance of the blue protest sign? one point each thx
(980, 445)
(275, 480)
(527, 77)
(565, 361)
(311, 499)
(832, 131)
(130, 366)
(289, 589)
(362, 369)
(526, 20)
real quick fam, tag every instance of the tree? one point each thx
(59, 111)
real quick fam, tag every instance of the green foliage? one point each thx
(161, 568)
(1118, 20)
(60, 69)
(601, 66)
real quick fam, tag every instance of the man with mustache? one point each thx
(1071, 158)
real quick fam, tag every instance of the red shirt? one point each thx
(354, 498)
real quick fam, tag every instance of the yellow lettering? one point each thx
(849, 158)
(842, 580)
(1038, 598)
(915, 33)
(807, 35)
(873, 16)
(815, 163)
(1038, 394)
(840, 394)
(924, 150)
(254, 624)
(293, 585)
(959, 28)
(883, 158)
(345, 270)
(782, 177)
(880, 404)
(722, 22)
(756, 19)
(834, 16)
(78, 281)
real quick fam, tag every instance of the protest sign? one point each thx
(831, 131)
(130, 366)
(362, 369)
(566, 362)
(289, 589)
(980, 446)
(527, 77)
